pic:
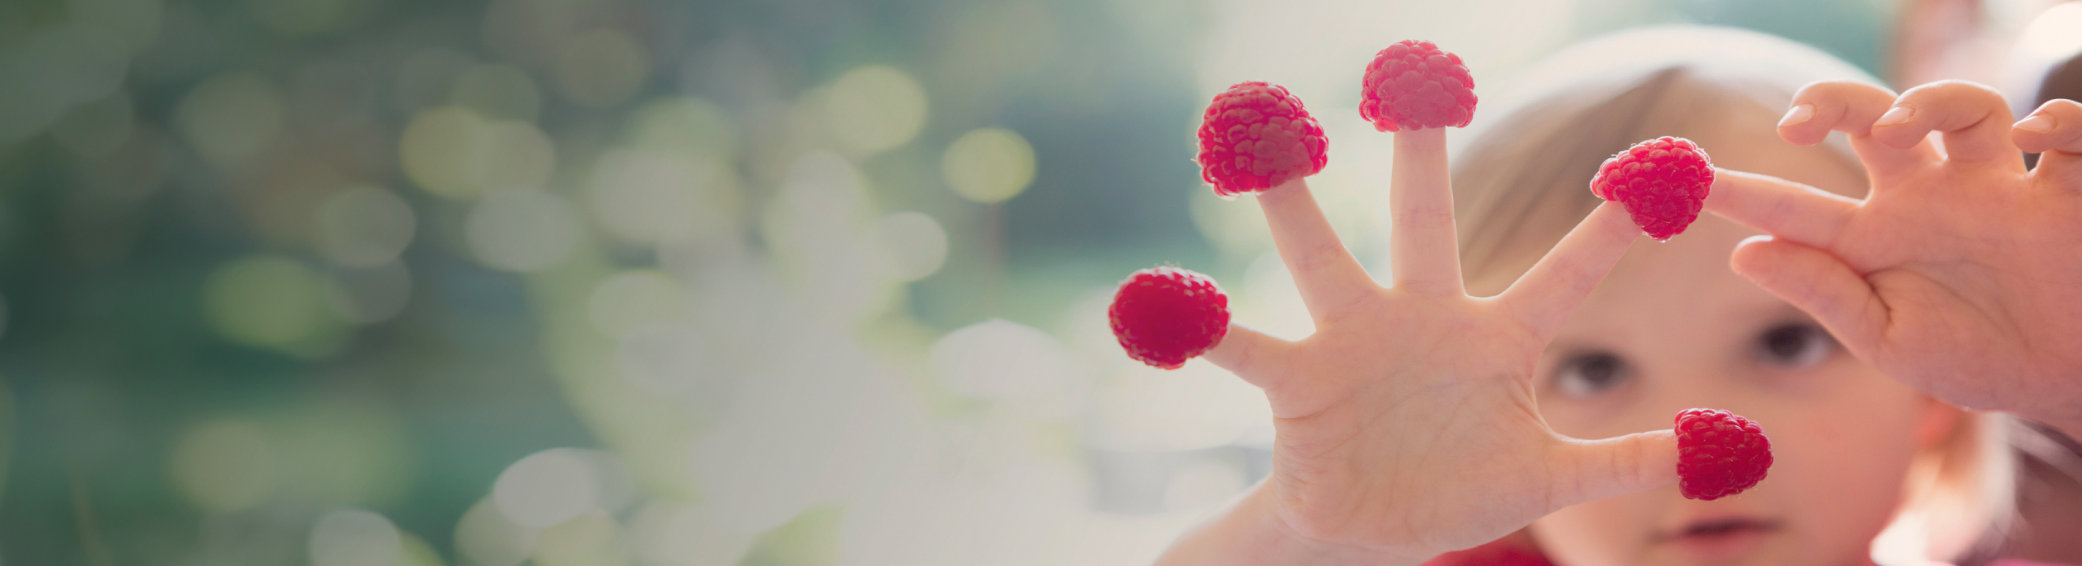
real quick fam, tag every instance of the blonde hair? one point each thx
(1521, 182)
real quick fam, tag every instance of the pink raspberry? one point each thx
(1166, 315)
(1663, 183)
(1719, 453)
(1413, 85)
(1255, 136)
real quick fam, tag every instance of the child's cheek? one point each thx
(1843, 458)
(1606, 531)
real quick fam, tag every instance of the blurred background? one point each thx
(645, 282)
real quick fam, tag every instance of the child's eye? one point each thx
(1796, 345)
(1586, 375)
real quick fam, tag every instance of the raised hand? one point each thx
(1406, 424)
(1961, 272)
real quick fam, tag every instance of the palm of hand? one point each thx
(1351, 467)
(1406, 423)
(1959, 273)
(1980, 276)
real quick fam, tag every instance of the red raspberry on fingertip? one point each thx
(1719, 453)
(1663, 182)
(1164, 316)
(1256, 136)
(1413, 85)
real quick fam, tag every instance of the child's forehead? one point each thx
(1682, 289)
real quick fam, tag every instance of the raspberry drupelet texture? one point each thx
(1413, 85)
(1719, 453)
(1164, 316)
(1255, 136)
(1663, 182)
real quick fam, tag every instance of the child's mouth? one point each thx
(1721, 537)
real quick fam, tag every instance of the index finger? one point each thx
(1547, 293)
(1786, 209)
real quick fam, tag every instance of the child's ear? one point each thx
(1937, 422)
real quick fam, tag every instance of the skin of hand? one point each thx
(1406, 424)
(1960, 273)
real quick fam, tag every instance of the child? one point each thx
(1419, 420)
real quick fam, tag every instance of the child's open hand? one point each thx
(1961, 272)
(1406, 424)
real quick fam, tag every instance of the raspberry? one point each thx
(1165, 315)
(1663, 182)
(1719, 453)
(1493, 554)
(1256, 136)
(1413, 85)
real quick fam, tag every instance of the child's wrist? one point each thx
(1286, 545)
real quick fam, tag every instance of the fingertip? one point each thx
(1657, 461)
(2054, 126)
(2028, 141)
(1611, 219)
(1750, 254)
(1798, 114)
(1798, 125)
(1803, 134)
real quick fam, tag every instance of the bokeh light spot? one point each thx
(1005, 361)
(650, 197)
(601, 68)
(517, 155)
(592, 538)
(547, 488)
(988, 165)
(522, 230)
(354, 537)
(875, 108)
(485, 537)
(267, 301)
(684, 123)
(364, 226)
(438, 150)
(913, 243)
(136, 21)
(50, 70)
(498, 91)
(456, 153)
(231, 117)
(224, 466)
(820, 231)
(2055, 34)
(673, 358)
(627, 300)
(678, 535)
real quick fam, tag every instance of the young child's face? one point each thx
(1673, 328)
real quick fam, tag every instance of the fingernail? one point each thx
(1894, 116)
(2037, 124)
(1799, 114)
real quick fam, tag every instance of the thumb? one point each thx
(1815, 282)
(1588, 470)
